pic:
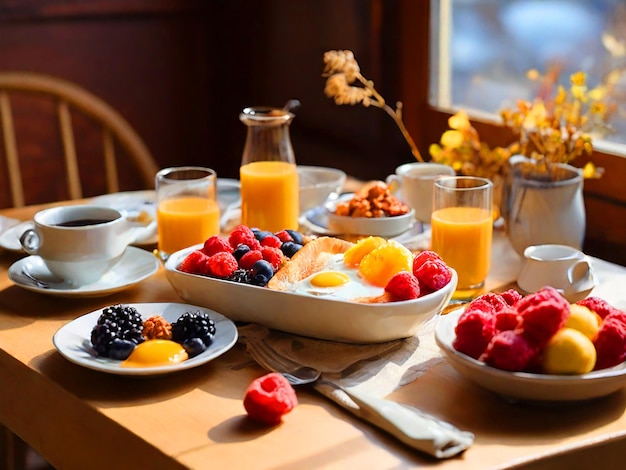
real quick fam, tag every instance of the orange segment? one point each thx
(354, 254)
(382, 263)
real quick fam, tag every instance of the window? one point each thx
(482, 49)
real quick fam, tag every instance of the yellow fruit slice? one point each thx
(354, 255)
(382, 263)
(569, 352)
(584, 320)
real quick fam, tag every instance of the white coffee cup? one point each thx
(415, 182)
(80, 243)
(560, 266)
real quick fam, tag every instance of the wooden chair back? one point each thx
(69, 100)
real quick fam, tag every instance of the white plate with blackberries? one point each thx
(146, 339)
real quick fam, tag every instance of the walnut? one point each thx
(157, 327)
(372, 200)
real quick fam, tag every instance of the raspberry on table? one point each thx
(222, 264)
(432, 274)
(403, 286)
(249, 258)
(268, 398)
(242, 234)
(216, 244)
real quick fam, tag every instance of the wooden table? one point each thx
(79, 418)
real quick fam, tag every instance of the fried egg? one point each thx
(338, 281)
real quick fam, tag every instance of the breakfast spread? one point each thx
(121, 333)
(372, 200)
(373, 270)
(542, 333)
(269, 398)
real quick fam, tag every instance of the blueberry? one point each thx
(290, 248)
(120, 349)
(194, 346)
(261, 234)
(241, 250)
(262, 272)
(297, 236)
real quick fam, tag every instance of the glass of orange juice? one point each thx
(462, 230)
(187, 208)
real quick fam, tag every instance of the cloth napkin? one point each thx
(355, 375)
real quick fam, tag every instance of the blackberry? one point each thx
(191, 326)
(118, 330)
(242, 276)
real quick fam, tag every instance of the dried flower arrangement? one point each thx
(346, 85)
(549, 130)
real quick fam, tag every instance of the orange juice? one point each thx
(269, 195)
(462, 237)
(186, 221)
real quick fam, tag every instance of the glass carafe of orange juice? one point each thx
(268, 175)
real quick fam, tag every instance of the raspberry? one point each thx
(249, 258)
(284, 236)
(432, 274)
(424, 256)
(610, 343)
(509, 350)
(216, 244)
(271, 240)
(507, 319)
(273, 256)
(268, 398)
(194, 263)
(474, 331)
(511, 296)
(542, 314)
(598, 305)
(222, 264)
(481, 304)
(495, 300)
(243, 235)
(403, 286)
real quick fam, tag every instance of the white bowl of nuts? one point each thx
(373, 210)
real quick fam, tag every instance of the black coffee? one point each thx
(82, 222)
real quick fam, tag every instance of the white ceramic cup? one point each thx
(79, 244)
(560, 266)
(415, 182)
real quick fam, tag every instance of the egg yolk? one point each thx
(330, 279)
(156, 352)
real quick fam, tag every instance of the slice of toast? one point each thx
(311, 258)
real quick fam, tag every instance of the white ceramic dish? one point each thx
(318, 184)
(73, 341)
(317, 317)
(522, 386)
(135, 266)
(374, 226)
